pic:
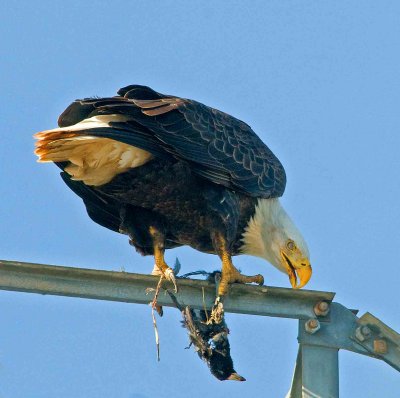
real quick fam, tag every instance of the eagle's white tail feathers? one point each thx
(93, 160)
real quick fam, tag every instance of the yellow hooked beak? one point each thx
(297, 267)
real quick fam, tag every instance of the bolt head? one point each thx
(321, 308)
(363, 333)
(366, 331)
(312, 326)
(313, 323)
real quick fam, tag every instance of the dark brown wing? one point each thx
(218, 146)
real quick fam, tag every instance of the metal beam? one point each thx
(324, 327)
(133, 288)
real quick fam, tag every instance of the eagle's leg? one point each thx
(229, 273)
(160, 266)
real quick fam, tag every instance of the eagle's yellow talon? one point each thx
(232, 275)
(259, 279)
(229, 272)
(169, 275)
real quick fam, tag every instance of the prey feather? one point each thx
(209, 337)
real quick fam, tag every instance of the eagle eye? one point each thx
(290, 245)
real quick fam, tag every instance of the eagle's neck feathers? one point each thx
(268, 230)
(262, 222)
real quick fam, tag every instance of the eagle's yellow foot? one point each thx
(231, 275)
(160, 266)
(166, 272)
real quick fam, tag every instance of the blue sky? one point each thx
(318, 81)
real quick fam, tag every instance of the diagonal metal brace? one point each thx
(378, 339)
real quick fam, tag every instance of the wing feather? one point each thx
(218, 146)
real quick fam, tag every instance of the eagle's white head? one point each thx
(272, 235)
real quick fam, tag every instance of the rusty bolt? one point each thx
(380, 346)
(312, 326)
(321, 308)
(363, 333)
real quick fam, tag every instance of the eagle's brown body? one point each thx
(146, 159)
(183, 206)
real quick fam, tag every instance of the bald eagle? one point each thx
(169, 171)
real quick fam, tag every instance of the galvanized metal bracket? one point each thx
(337, 333)
(366, 335)
(316, 373)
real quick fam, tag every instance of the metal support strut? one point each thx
(316, 373)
